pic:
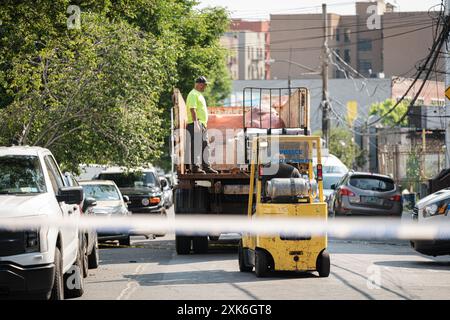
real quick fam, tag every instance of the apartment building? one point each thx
(377, 42)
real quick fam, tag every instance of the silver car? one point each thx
(110, 202)
(366, 194)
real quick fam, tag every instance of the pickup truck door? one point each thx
(69, 234)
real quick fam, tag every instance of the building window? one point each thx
(347, 57)
(365, 45)
(347, 35)
(420, 102)
(365, 67)
(338, 35)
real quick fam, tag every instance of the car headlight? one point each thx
(32, 241)
(435, 209)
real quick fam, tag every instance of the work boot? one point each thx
(210, 170)
(196, 169)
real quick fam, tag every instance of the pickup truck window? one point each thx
(53, 172)
(21, 175)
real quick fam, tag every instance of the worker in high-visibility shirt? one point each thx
(197, 123)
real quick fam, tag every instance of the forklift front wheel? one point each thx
(323, 264)
(261, 264)
(243, 267)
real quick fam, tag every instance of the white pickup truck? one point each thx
(39, 263)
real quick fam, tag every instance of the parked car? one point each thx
(109, 202)
(367, 194)
(330, 179)
(88, 237)
(142, 187)
(167, 192)
(434, 208)
(38, 262)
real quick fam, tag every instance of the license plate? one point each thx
(372, 200)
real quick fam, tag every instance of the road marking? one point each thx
(131, 286)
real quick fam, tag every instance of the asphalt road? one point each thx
(150, 269)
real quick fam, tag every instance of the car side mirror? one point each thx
(126, 199)
(88, 203)
(333, 187)
(70, 195)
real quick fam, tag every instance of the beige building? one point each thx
(377, 42)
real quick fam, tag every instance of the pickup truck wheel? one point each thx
(261, 264)
(57, 292)
(242, 266)
(85, 256)
(125, 242)
(73, 280)
(93, 259)
(200, 245)
(182, 244)
(323, 264)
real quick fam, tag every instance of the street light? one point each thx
(312, 71)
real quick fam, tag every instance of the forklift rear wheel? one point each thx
(242, 266)
(323, 264)
(200, 245)
(261, 264)
(182, 244)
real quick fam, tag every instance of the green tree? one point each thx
(380, 109)
(102, 93)
(343, 146)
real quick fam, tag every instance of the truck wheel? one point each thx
(200, 245)
(57, 292)
(242, 266)
(73, 280)
(93, 259)
(261, 264)
(182, 244)
(323, 264)
(85, 256)
(125, 242)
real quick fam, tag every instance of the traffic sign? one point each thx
(447, 93)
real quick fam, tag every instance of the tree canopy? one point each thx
(381, 109)
(101, 93)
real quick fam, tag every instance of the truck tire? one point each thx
(323, 264)
(182, 244)
(93, 258)
(200, 245)
(261, 264)
(242, 266)
(73, 280)
(85, 256)
(57, 292)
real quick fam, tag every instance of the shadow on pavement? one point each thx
(211, 277)
(433, 265)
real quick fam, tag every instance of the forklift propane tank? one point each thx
(294, 187)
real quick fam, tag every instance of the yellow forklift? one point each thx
(287, 187)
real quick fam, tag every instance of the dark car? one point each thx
(142, 187)
(366, 194)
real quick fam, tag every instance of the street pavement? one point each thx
(150, 269)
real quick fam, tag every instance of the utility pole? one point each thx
(447, 101)
(325, 99)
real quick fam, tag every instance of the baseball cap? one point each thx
(202, 79)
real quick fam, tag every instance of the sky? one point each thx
(260, 9)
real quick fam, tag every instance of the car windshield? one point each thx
(328, 181)
(101, 192)
(21, 175)
(372, 183)
(132, 179)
